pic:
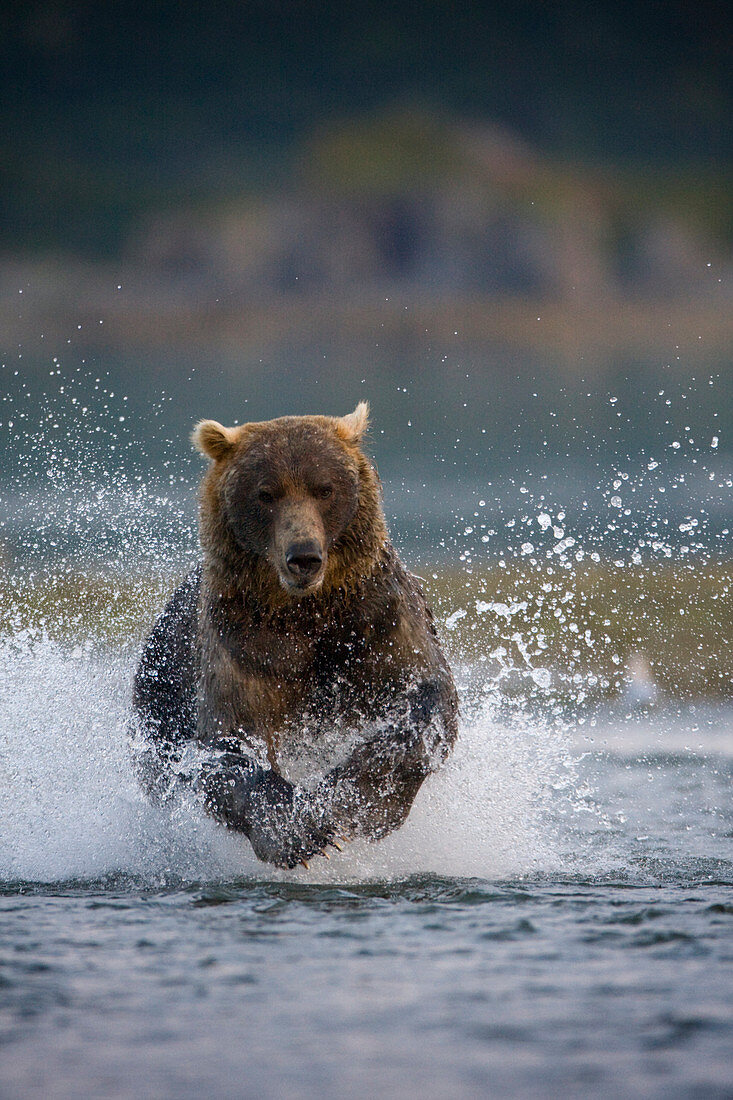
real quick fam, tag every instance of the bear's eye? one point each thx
(323, 492)
(265, 496)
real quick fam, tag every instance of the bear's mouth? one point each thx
(299, 586)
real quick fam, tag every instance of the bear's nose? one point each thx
(304, 559)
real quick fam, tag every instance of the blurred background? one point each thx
(508, 226)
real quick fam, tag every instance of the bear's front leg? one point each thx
(371, 792)
(279, 820)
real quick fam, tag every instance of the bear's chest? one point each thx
(300, 677)
(313, 653)
(286, 681)
(281, 655)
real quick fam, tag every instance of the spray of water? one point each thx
(508, 802)
(70, 806)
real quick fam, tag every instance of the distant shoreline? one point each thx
(58, 301)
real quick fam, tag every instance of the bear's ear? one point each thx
(214, 440)
(351, 427)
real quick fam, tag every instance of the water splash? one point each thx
(548, 640)
(70, 807)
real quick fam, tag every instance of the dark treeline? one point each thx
(111, 109)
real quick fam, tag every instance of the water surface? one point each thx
(555, 918)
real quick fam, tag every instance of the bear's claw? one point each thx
(283, 823)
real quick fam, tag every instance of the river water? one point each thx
(556, 918)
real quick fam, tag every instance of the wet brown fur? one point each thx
(355, 647)
(234, 568)
(259, 644)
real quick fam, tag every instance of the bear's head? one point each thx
(290, 505)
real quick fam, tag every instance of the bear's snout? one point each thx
(299, 546)
(304, 559)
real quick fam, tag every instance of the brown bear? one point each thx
(294, 681)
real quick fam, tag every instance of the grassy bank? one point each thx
(589, 624)
(585, 626)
